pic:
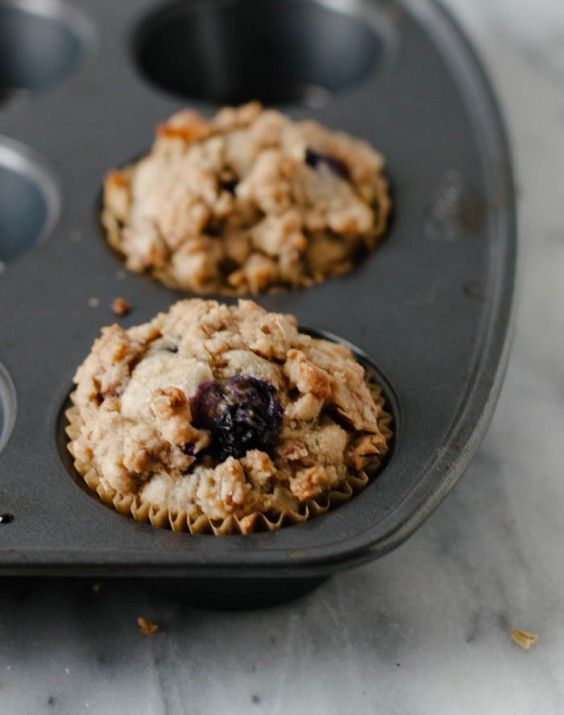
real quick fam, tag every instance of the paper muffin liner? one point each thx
(180, 521)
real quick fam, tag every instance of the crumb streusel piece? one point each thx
(524, 639)
(146, 626)
(120, 306)
(210, 417)
(246, 201)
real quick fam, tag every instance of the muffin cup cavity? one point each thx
(41, 42)
(254, 216)
(29, 200)
(8, 406)
(89, 479)
(300, 52)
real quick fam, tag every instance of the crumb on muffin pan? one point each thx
(224, 419)
(246, 201)
(120, 306)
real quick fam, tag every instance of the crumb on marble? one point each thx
(146, 626)
(93, 302)
(524, 639)
(67, 671)
(97, 587)
(121, 306)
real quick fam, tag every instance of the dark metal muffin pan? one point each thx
(431, 307)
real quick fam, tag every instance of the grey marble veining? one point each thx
(424, 631)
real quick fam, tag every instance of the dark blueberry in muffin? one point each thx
(206, 404)
(325, 162)
(242, 414)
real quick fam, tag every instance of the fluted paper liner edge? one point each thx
(179, 521)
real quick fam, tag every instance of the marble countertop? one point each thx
(424, 631)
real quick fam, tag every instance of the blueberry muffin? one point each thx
(245, 202)
(224, 419)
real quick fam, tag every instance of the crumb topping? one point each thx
(120, 306)
(218, 411)
(246, 201)
(524, 639)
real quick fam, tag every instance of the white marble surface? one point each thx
(424, 631)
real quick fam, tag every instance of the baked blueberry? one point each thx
(325, 162)
(242, 414)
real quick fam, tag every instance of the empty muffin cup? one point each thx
(41, 42)
(29, 200)
(302, 51)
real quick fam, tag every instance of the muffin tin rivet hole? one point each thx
(277, 51)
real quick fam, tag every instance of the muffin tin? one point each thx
(83, 86)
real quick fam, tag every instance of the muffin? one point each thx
(224, 419)
(246, 202)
